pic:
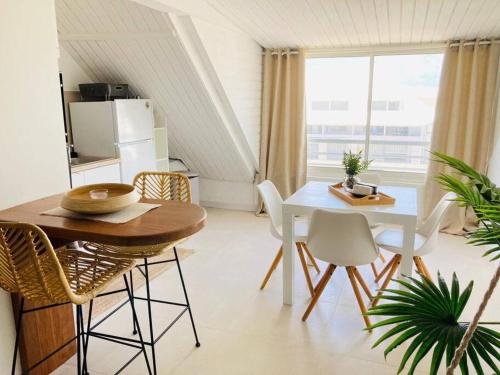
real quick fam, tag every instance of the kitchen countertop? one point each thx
(93, 163)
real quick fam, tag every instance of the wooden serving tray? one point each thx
(369, 200)
(120, 196)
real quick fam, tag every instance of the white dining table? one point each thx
(314, 195)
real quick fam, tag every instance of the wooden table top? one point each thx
(172, 221)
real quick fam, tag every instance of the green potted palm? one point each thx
(354, 164)
(426, 314)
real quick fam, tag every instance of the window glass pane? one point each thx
(407, 85)
(379, 105)
(320, 105)
(342, 83)
(402, 110)
(377, 130)
(393, 105)
(340, 105)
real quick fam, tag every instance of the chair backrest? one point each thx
(371, 178)
(430, 227)
(272, 201)
(163, 185)
(29, 265)
(343, 239)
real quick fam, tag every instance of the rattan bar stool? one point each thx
(31, 267)
(153, 185)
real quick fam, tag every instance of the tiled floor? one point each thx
(247, 331)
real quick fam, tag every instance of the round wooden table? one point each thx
(172, 221)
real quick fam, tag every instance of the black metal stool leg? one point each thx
(83, 344)
(186, 296)
(150, 314)
(136, 324)
(134, 330)
(78, 342)
(87, 337)
(18, 332)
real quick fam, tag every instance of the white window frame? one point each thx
(395, 175)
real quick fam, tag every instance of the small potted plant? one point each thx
(354, 164)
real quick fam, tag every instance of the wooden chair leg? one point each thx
(374, 269)
(386, 268)
(418, 265)
(362, 282)
(320, 287)
(324, 279)
(305, 269)
(394, 267)
(424, 266)
(352, 278)
(274, 264)
(310, 256)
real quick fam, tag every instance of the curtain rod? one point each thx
(452, 44)
(292, 52)
(473, 42)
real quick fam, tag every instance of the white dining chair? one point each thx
(341, 240)
(425, 242)
(273, 203)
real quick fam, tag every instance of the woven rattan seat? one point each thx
(129, 252)
(29, 265)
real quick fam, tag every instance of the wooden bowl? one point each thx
(119, 197)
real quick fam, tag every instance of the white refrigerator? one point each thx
(121, 128)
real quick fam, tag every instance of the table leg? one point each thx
(406, 266)
(288, 256)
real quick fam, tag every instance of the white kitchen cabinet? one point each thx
(77, 179)
(108, 173)
(98, 175)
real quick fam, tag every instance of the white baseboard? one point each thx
(229, 206)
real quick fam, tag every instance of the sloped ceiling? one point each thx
(122, 41)
(355, 23)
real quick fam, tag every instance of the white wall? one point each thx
(72, 73)
(32, 145)
(237, 59)
(227, 194)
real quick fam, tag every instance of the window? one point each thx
(394, 130)
(320, 105)
(393, 105)
(339, 105)
(334, 105)
(386, 105)
(379, 105)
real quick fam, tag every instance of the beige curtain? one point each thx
(283, 144)
(465, 120)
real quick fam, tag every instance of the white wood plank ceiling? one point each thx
(122, 41)
(355, 23)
